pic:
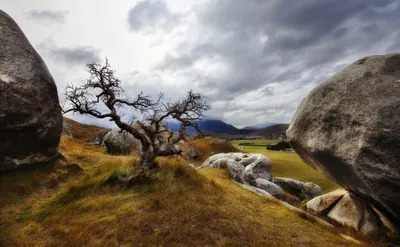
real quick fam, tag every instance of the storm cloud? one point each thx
(152, 15)
(75, 55)
(254, 60)
(260, 58)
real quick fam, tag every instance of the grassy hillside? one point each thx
(178, 207)
(288, 164)
(81, 131)
(273, 131)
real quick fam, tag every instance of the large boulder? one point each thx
(30, 114)
(304, 191)
(349, 129)
(120, 142)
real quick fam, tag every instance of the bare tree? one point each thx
(102, 96)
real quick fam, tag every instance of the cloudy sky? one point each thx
(255, 60)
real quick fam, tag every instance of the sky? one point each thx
(254, 60)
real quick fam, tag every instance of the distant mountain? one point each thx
(274, 131)
(258, 126)
(214, 126)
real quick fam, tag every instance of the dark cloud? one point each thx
(48, 15)
(151, 15)
(75, 55)
(292, 45)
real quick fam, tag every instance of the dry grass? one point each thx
(210, 145)
(181, 207)
(81, 131)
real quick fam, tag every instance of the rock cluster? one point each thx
(254, 170)
(350, 210)
(30, 114)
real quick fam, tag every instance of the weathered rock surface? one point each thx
(118, 142)
(30, 115)
(254, 165)
(271, 188)
(320, 204)
(236, 170)
(257, 165)
(304, 191)
(355, 213)
(348, 128)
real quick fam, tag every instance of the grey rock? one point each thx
(348, 128)
(320, 204)
(304, 191)
(30, 115)
(235, 171)
(352, 212)
(271, 188)
(118, 142)
(255, 165)
(257, 191)
(386, 222)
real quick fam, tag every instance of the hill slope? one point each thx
(80, 131)
(212, 126)
(178, 207)
(258, 126)
(274, 131)
(62, 204)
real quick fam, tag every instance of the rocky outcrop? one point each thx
(30, 115)
(352, 211)
(254, 165)
(348, 128)
(118, 142)
(303, 191)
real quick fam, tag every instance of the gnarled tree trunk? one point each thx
(147, 159)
